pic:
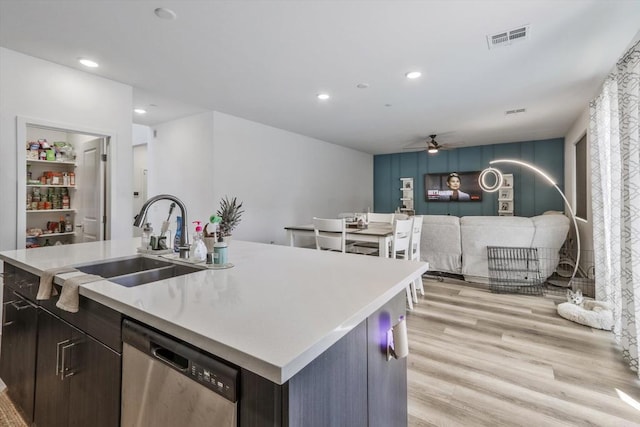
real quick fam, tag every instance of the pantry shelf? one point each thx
(42, 236)
(73, 187)
(49, 210)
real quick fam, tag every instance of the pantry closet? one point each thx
(63, 171)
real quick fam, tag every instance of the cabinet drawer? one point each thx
(22, 282)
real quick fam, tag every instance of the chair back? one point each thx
(380, 217)
(416, 233)
(330, 234)
(401, 237)
(346, 215)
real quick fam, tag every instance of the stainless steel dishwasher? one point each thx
(168, 383)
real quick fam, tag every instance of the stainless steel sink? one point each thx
(137, 270)
(123, 266)
(153, 275)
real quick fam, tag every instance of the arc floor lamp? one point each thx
(491, 185)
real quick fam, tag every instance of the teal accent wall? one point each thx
(533, 195)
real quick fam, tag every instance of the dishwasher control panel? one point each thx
(214, 379)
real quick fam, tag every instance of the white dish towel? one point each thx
(46, 289)
(70, 296)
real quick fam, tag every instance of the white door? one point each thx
(90, 192)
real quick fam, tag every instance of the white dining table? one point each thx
(380, 233)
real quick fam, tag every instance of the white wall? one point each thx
(38, 89)
(142, 136)
(180, 163)
(282, 178)
(285, 178)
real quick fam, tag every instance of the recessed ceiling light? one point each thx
(164, 13)
(140, 111)
(413, 74)
(323, 96)
(88, 63)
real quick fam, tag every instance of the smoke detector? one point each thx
(507, 38)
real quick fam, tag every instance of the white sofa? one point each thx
(459, 245)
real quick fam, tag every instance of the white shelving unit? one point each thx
(49, 202)
(505, 196)
(406, 197)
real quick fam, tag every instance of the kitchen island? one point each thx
(306, 328)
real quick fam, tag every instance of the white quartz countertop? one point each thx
(275, 311)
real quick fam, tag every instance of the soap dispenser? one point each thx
(145, 241)
(198, 250)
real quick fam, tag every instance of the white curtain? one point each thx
(615, 165)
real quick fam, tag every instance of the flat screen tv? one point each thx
(452, 187)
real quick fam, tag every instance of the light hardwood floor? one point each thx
(483, 359)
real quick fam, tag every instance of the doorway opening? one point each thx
(64, 171)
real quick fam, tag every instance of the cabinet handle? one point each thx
(65, 371)
(18, 307)
(4, 314)
(58, 369)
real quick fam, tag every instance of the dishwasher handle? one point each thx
(169, 357)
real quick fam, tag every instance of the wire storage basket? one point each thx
(514, 270)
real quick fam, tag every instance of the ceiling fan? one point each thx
(432, 145)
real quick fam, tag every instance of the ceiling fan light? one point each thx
(432, 150)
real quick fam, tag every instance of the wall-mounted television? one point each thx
(452, 187)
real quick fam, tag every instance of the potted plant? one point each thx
(231, 212)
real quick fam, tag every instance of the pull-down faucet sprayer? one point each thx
(184, 239)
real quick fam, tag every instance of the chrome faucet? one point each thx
(184, 239)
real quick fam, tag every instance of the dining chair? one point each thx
(400, 248)
(380, 217)
(414, 252)
(330, 234)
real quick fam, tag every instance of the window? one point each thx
(581, 178)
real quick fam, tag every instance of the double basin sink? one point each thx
(137, 270)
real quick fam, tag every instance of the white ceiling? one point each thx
(266, 61)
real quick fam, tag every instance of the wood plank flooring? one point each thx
(483, 359)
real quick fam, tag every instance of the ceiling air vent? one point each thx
(516, 111)
(506, 38)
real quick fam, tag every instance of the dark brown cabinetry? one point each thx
(351, 384)
(17, 365)
(61, 369)
(77, 377)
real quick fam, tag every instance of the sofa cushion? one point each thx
(478, 232)
(440, 243)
